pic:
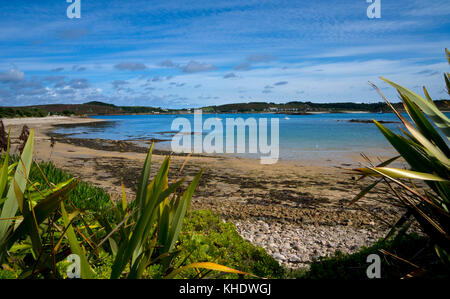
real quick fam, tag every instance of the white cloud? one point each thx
(12, 75)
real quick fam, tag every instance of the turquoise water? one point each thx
(300, 137)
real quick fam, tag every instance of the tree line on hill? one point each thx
(305, 107)
(100, 108)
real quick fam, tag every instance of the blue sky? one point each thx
(182, 54)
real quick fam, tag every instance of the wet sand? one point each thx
(296, 210)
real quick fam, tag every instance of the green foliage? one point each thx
(306, 107)
(145, 234)
(27, 216)
(354, 266)
(10, 112)
(84, 196)
(86, 271)
(14, 197)
(206, 237)
(47, 215)
(424, 146)
(7, 274)
(67, 113)
(153, 216)
(224, 243)
(100, 108)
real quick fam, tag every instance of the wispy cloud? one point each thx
(196, 67)
(251, 60)
(130, 66)
(79, 83)
(117, 84)
(229, 75)
(73, 33)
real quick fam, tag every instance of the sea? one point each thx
(301, 137)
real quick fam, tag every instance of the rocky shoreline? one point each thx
(294, 226)
(296, 247)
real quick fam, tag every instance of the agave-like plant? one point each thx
(27, 216)
(424, 146)
(146, 232)
(39, 227)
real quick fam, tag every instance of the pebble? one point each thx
(280, 257)
(296, 246)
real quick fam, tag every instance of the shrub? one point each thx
(423, 147)
(206, 237)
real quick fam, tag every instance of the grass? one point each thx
(84, 196)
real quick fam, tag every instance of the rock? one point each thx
(295, 246)
(259, 239)
(278, 256)
(294, 259)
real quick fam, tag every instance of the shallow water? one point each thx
(318, 136)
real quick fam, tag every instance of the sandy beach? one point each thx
(296, 210)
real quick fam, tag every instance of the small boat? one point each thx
(287, 118)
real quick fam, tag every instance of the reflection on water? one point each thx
(74, 130)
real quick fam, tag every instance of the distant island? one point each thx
(300, 108)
